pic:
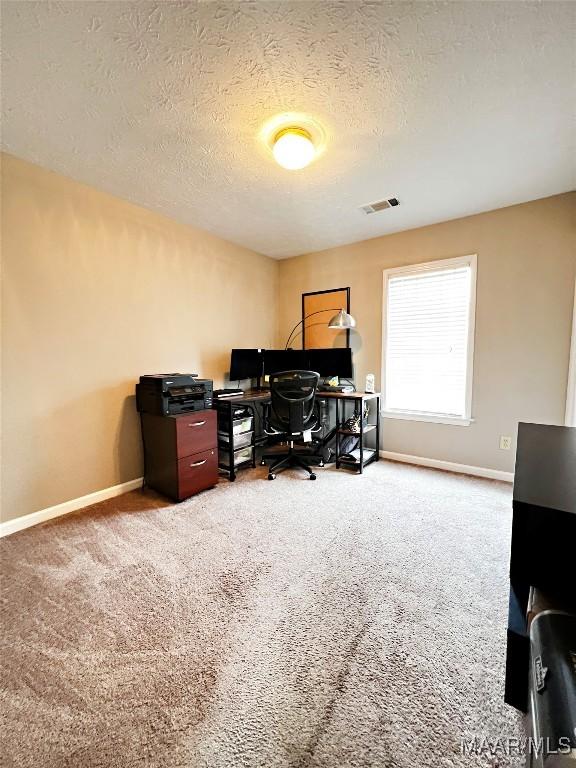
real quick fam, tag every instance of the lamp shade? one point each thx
(342, 320)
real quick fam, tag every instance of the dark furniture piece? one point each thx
(290, 415)
(259, 399)
(553, 688)
(363, 455)
(236, 432)
(180, 453)
(543, 538)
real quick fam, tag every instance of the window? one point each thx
(428, 338)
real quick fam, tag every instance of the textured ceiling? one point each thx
(454, 108)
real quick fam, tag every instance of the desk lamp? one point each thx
(340, 321)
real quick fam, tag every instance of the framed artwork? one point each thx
(318, 308)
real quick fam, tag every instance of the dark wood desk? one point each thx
(253, 396)
(543, 547)
(249, 396)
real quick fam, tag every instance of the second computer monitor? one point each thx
(277, 360)
(333, 361)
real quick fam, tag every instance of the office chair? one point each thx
(290, 414)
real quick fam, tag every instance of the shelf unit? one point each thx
(226, 407)
(229, 411)
(364, 453)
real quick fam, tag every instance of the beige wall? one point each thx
(526, 269)
(96, 292)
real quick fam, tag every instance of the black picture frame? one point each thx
(318, 293)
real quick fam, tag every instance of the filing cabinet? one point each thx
(180, 453)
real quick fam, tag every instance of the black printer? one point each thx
(167, 394)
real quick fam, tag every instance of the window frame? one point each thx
(433, 266)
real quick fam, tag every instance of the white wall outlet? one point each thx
(505, 442)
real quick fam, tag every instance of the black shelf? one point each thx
(365, 454)
(365, 429)
(369, 456)
(227, 409)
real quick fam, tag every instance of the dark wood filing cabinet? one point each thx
(180, 453)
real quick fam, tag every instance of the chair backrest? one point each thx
(292, 395)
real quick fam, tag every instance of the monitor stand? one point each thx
(259, 387)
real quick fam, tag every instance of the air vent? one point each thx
(380, 205)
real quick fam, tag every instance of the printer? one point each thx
(168, 394)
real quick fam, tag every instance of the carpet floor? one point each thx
(355, 621)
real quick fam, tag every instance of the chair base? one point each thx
(285, 460)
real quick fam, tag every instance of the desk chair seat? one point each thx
(291, 415)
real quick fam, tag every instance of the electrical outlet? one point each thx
(505, 442)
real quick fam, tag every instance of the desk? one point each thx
(252, 397)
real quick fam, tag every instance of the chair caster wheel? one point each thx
(312, 476)
(271, 477)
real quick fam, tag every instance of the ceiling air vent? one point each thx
(380, 205)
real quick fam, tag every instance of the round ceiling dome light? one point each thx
(293, 148)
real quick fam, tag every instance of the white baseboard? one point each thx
(19, 523)
(449, 466)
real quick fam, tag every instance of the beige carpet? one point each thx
(354, 621)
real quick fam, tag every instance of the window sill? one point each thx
(455, 421)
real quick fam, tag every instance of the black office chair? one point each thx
(290, 414)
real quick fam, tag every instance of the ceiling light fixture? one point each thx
(293, 148)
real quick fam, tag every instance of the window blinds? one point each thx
(426, 353)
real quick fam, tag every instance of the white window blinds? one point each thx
(427, 355)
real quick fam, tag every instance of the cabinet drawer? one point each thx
(197, 472)
(195, 432)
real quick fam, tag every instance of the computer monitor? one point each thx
(332, 361)
(246, 364)
(276, 360)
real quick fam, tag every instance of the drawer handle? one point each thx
(199, 463)
(197, 424)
